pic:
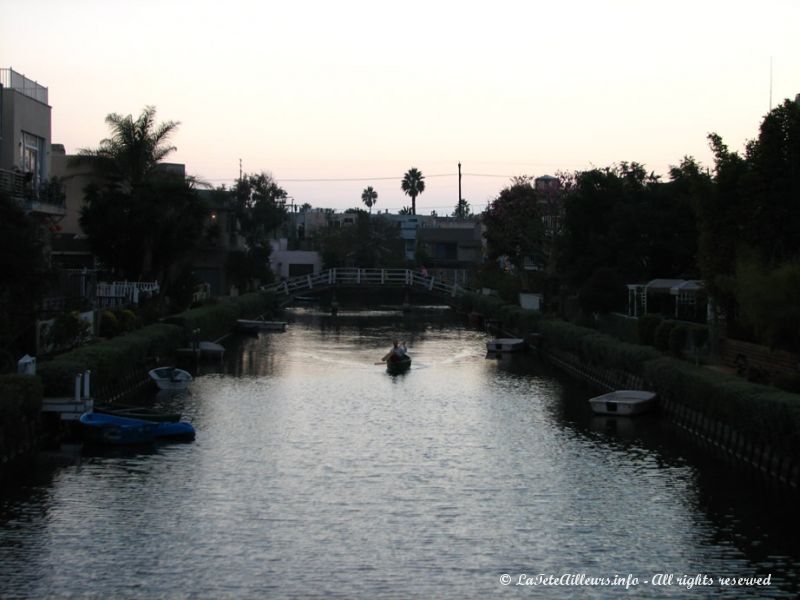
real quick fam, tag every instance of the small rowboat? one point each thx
(170, 378)
(505, 345)
(256, 325)
(104, 429)
(116, 430)
(136, 412)
(624, 402)
(399, 365)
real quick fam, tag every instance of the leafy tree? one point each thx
(146, 233)
(603, 293)
(413, 184)
(750, 216)
(769, 302)
(134, 149)
(259, 208)
(143, 223)
(514, 225)
(406, 210)
(462, 210)
(623, 218)
(369, 197)
(23, 280)
(368, 243)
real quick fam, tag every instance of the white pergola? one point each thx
(684, 290)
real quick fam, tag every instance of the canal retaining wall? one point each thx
(20, 420)
(755, 426)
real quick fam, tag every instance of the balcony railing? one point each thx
(45, 197)
(12, 80)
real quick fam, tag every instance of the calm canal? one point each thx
(316, 474)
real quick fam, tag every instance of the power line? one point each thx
(355, 179)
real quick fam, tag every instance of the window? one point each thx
(31, 155)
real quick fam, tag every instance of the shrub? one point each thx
(677, 340)
(68, 330)
(108, 359)
(761, 412)
(661, 339)
(127, 320)
(646, 329)
(621, 327)
(109, 324)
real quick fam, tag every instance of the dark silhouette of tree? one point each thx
(143, 223)
(462, 210)
(134, 149)
(23, 278)
(369, 197)
(514, 225)
(413, 185)
(259, 208)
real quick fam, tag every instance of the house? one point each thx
(451, 243)
(222, 238)
(25, 125)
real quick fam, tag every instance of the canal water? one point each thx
(315, 474)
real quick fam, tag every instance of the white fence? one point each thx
(123, 293)
(365, 277)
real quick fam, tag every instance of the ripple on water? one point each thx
(316, 474)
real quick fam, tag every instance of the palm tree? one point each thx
(413, 185)
(369, 197)
(134, 148)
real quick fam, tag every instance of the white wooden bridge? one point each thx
(373, 278)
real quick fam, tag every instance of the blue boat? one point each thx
(115, 429)
(109, 430)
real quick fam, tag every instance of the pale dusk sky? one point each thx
(365, 90)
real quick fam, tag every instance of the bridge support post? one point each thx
(334, 303)
(407, 301)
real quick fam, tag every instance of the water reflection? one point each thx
(317, 474)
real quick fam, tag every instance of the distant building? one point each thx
(451, 243)
(209, 265)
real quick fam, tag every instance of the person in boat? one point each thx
(396, 353)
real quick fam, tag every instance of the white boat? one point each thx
(260, 325)
(170, 378)
(624, 402)
(505, 345)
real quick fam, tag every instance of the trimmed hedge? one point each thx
(20, 411)
(619, 326)
(19, 395)
(215, 320)
(767, 414)
(108, 359)
(597, 348)
(113, 358)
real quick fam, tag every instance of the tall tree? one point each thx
(23, 277)
(260, 208)
(369, 197)
(462, 210)
(143, 223)
(514, 225)
(413, 185)
(134, 149)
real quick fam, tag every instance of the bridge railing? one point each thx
(371, 277)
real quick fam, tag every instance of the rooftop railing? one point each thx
(10, 79)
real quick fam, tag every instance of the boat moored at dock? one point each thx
(171, 378)
(624, 402)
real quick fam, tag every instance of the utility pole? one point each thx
(240, 169)
(459, 182)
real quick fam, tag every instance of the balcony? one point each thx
(12, 80)
(46, 198)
